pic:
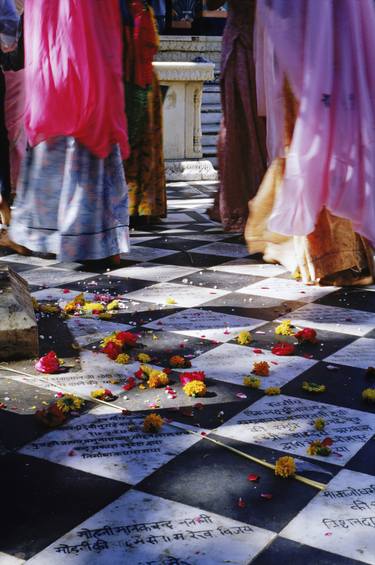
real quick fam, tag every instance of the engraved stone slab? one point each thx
(154, 272)
(206, 324)
(360, 353)
(18, 327)
(334, 318)
(108, 444)
(184, 296)
(287, 424)
(287, 289)
(231, 363)
(89, 330)
(142, 529)
(341, 519)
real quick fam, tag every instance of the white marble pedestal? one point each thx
(182, 119)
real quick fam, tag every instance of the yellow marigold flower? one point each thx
(123, 358)
(170, 300)
(318, 447)
(111, 338)
(272, 391)
(261, 368)
(93, 307)
(69, 402)
(285, 328)
(146, 369)
(319, 424)
(313, 387)
(244, 338)
(369, 394)
(157, 379)
(105, 316)
(114, 305)
(71, 306)
(49, 308)
(285, 467)
(98, 393)
(152, 423)
(195, 388)
(251, 382)
(144, 357)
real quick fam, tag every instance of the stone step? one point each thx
(211, 108)
(210, 129)
(210, 151)
(211, 87)
(209, 140)
(211, 98)
(211, 118)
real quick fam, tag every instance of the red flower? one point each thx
(283, 349)
(130, 384)
(51, 416)
(112, 350)
(48, 363)
(193, 376)
(307, 334)
(127, 338)
(327, 442)
(139, 374)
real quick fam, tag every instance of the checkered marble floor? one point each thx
(98, 490)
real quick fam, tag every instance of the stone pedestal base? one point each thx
(18, 327)
(197, 170)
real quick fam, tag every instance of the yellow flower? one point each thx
(251, 382)
(123, 358)
(105, 316)
(195, 388)
(69, 402)
(114, 305)
(244, 338)
(152, 423)
(369, 395)
(144, 357)
(261, 368)
(297, 275)
(272, 391)
(71, 306)
(49, 308)
(319, 424)
(285, 328)
(170, 300)
(98, 393)
(93, 307)
(111, 338)
(285, 467)
(157, 379)
(313, 387)
(317, 447)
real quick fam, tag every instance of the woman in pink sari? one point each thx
(315, 210)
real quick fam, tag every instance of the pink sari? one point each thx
(73, 70)
(326, 49)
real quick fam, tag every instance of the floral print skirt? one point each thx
(71, 203)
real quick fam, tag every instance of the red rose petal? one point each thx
(257, 351)
(253, 478)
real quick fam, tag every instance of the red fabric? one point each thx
(73, 68)
(146, 41)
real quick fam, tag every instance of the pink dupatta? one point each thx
(326, 49)
(73, 70)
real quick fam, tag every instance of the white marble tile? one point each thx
(53, 277)
(287, 424)
(224, 249)
(29, 260)
(203, 236)
(177, 231)
(244, 267)
(206, 324)
(84, 382)
(184, 296)
(94, 362)
(141, 253)
(142, 529)
(154, 272)
(6, 559)
(231, 363)
(55, 295)
(340, 519)
(178, 218)
(334, 319)
(108, 444)
(136, 240)
(360, 353)
(287, 289)
(89, 330)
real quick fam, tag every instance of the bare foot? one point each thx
(4, 212)
(5, 241)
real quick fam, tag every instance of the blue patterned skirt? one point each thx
(71, 203)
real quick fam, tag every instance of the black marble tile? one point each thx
(172, 242)
(108, 284)
(354, 298)
(193, 260)
(43, 501)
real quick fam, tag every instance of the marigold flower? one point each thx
(157, 379)
(93, 307)
(48, 363)
(179, 361)
(170, 300)
(77, 302)
(251, 382)
(49, 308)
(113, 305)
(123, 358)
(318, 447)
(193, 376)
(261, 368)
(272, 391)
(103, 394)
(285, 467)
(195, 388)
(105, 316)
(51, 416)
(144, 357)
(69, 402)
(127, 338)
(244, 338)
(319, 424)
(285, 328)
(313, 387)
(283, 349)
(152, 423)
(369, 395)
(306, 335)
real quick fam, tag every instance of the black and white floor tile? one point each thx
(99, 490)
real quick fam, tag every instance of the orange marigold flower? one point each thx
(261, 368)
(285, 467)
(152, 423)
